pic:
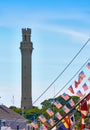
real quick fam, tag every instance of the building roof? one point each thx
(8, 114)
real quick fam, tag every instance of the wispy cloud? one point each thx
(48, 21)
(75, 34)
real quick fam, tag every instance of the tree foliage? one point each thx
(35, 111)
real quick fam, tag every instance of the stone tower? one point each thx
(26, 47)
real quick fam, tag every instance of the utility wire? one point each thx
(67, 84)
(62, 72)
(72, 78)
(59, 76)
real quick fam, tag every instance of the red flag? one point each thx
(82, 123)
(84, 108)
(88, 99)
(84, 111)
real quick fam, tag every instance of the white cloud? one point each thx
(75, 34)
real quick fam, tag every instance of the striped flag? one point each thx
(89, 79)
(34, 124)
(58, 115)
(65, 96)
(50, 112)
(42, 118)
(65, 109)
(71, 89)
(62, 126)
(43, 127)
(66, 123)
(79, 93)
(51, 122)
(79, 79)
(85, 87)
(88, 65)
(76, 84)
(71, 102)
(82, 75)
(57, 104)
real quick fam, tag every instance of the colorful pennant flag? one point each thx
(42, 118)
(85, 87)
(58, 115)
(57, 104)
(65, 96)
(66, 122)
(88, 65)
(50, 112)
(34, 124)
(62, 127)
(51, 122)
(71, 102)
(79, 93)
(71, 89)
(43, 127)
(72, 120)
(65, 109)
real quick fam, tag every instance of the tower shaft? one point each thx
(26, 47)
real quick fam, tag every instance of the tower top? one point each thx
(26, 31)
(26, 35)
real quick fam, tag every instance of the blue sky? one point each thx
(59, 30)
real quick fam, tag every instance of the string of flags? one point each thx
(46, 123)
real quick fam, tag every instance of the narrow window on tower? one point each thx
(25, 38)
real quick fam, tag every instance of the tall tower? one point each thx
(26, 47)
